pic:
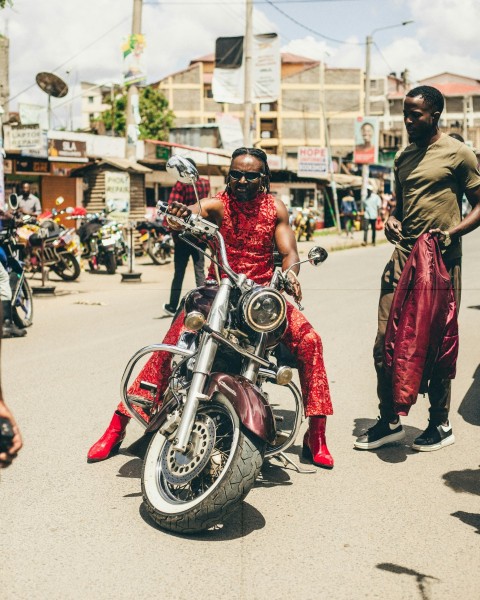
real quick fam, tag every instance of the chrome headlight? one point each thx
(263, 309)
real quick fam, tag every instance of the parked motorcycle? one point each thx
(156, 241)
(215, 426)
(102, 243)
(48, 243)
(22, 299)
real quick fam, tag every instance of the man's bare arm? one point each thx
(209, 208)
(287, 247)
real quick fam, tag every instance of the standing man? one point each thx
(431, 175)
(185, 194)
(371, 207)
(28, 203)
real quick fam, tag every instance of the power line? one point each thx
(74, 56)
(307, 28)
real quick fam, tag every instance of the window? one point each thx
(91, 99)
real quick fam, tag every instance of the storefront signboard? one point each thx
(312, 161)
(67, 150)
(117, 195)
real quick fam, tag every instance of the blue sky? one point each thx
(80, 39)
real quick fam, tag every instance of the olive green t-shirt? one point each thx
(430, 182)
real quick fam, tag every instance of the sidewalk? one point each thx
(331, 240)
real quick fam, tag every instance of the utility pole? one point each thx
(131, 136)
(366, 108)
(406, 84)
(248, 50)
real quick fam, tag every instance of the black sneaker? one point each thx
(380, 434)
(10, 330)
(168, 311)
(434, 437)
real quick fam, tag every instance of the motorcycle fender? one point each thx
(251, 407)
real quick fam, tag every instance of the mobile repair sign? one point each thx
(312, 161)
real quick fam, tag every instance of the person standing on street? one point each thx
(185, 194)
(431, 175)
(372, 205)
(28, 203)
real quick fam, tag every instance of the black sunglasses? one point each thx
(249, 175)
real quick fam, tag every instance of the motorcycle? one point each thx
(50, 245)
(156, 241)
(305, 225)
(102, 242)
(216, 426)
(22, 299)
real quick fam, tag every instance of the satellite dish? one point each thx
(53, 85)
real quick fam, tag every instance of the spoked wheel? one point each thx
(195, 491)
(68, 268)
(22, 308)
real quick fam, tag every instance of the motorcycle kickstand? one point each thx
(286, 461)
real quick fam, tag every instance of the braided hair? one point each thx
(257, 153)
(433, 97)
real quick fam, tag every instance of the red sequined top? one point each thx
(248, 228)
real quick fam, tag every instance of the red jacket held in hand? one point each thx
(422, 330)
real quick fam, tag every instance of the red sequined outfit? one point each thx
(248, 229)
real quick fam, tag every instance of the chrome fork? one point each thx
(203, 365)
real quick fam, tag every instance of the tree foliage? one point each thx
(156, 117)
(4, 3)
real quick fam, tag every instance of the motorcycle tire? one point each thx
(159, 255)
(69, 268)
(111, 263)
(204, 488)
(22, 309)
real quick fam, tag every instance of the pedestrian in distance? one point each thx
(185, 194)
(28, 203)
(348, 208)
(251, 219)
(372, 205)
(429, 202)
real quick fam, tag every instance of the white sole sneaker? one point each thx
(388, 439)
(448, 441)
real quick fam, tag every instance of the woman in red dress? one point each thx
(251, 221)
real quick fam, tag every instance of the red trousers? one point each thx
(301, 340)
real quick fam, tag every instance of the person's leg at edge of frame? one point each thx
(305, 344)
(374, 231)
(388, 427)
(156, 370)
(9, 328)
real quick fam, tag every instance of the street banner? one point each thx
(228, 84)
(366, 140)
(267, 67)
(67, 150)
(117, 195)
(22, 137)
(134, 68)
(312, 161)
(33, 114)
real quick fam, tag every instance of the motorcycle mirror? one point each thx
(182, 170)
(13, 201)
(60, 200)
(317, 255)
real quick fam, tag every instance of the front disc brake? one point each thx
(179, 468)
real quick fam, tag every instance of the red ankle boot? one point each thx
(109, 444)
(315, 443)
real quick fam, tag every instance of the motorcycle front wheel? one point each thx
(157, 253)
(22, 307)
(192, 492)
(68, 268)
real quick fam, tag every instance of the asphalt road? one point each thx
(386, 524)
